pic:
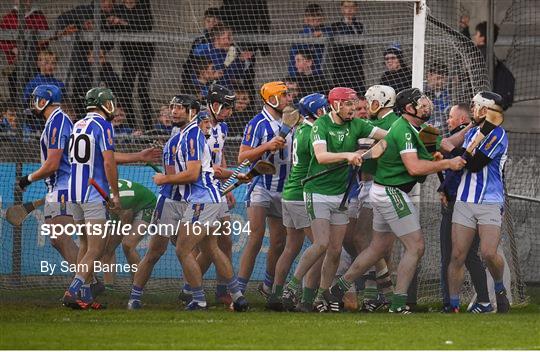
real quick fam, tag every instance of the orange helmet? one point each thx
(272, 89)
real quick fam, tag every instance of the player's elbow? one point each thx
(413, 170)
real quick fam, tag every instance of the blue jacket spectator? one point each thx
(437, 90)
(313, 27)
(47, 65)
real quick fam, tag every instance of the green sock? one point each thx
(308, 296)
(294, 284)
(344, 284)
(398, 300)
(320, 294)
(370, 293)
(278, 290)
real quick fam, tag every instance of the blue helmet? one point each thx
(309, 104)
(51, 93)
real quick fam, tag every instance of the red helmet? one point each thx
(341, 94)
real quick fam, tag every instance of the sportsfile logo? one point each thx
(117, 228)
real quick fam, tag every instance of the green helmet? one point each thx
(101, 98)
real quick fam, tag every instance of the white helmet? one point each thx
(385, 95)
(491, 100)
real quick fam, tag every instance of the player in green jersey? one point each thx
(138, 203)
(405, 162)
(334, 139)
(380, 102)
(295, 217)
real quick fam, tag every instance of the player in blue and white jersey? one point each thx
(262, 141)
(55, 167)
(91, 152)
(170, 206)
(220, 101)
(479, 202)
(202, 194)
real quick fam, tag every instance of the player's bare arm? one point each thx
(111, 172)
(419, 167)
(325, 157)
(50, 166)
(152, 154)
(247, 152)
(193, 170)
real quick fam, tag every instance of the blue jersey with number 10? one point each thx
(91, 136)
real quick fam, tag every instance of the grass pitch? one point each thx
(32, 323)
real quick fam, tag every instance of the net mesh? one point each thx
(154, 50)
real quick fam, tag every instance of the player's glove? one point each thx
(23, 182)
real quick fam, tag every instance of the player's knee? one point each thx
(457, 257)
(127, 248)
(488, 254)
(320, 247)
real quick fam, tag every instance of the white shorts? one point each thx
(471, 214)
(270, 200)
(393, 211)
(89, 211)
(224, 211)
(295, 214)
(56, 204)
(168, 214)
(205, 214)
(363, 195)
(320, 206)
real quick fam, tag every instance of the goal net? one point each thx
(157, 49)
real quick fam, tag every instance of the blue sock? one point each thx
(499, 286)
(242, 284)
(186, 288)
(221, 289)
(454, 301)
(234, 288)
(75, 285)
(268, 280)
(86, 293)
(136, 293)
(198, 294)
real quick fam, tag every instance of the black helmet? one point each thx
(405, 97)
(186, 100)
(220, 94)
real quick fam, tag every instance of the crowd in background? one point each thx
(214, 57)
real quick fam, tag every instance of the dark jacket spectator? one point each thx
(308, 81)
(503, 79)
(137, 57)
(348, 60)
(35, 20)
(398, 75)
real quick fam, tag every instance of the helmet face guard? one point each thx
(413, 96)
(342, 95)
(490, 100)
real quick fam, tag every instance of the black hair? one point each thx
(482, 28)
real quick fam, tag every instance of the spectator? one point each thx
(137, 57)
(437, 90)
(120, 124)
(464, 26)
(397, 75)
(46, 63)
(347, 60)
(164, 122)
(292, 86)
(210, 21)
(203, 76)
(107, 77)
(9, 118)
(248, 17)
(503, 80)
(313, 27)
(308, 81)
(243, 110)
(81, 19)
(35, 20)
(227, 59)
